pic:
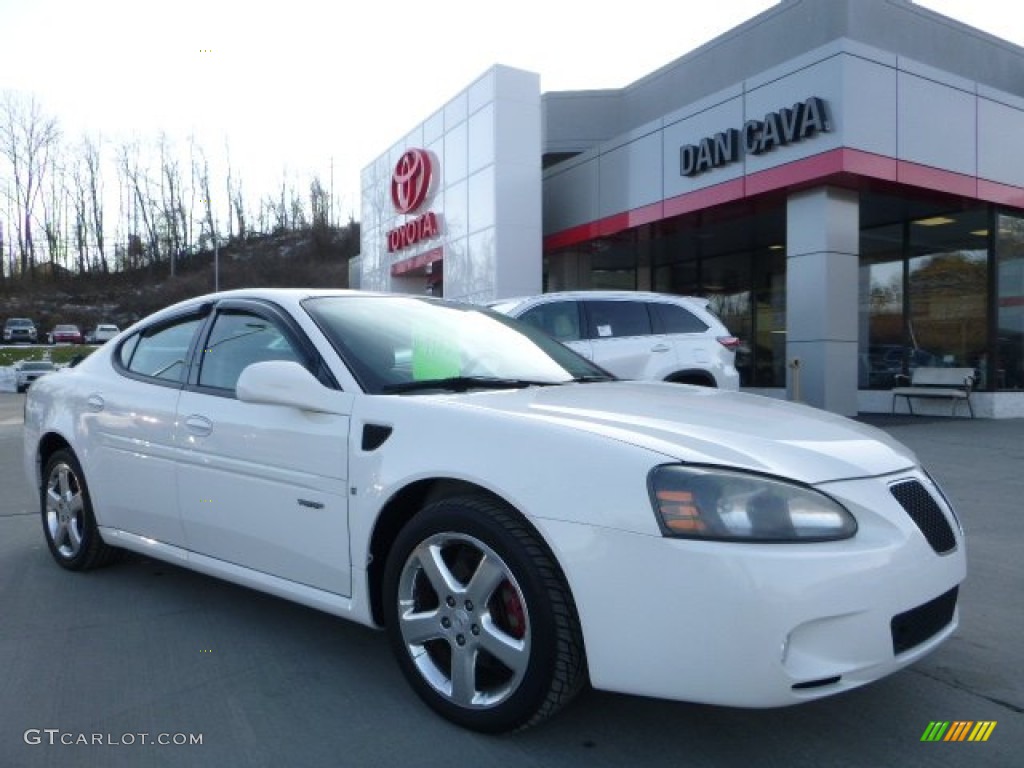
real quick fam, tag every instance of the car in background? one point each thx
(518, 521)
(66, 334)
(28, 371)
(102, 333)
(20, 329)
(636, 335)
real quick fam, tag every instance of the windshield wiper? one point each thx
(593, 378)
(465, 383)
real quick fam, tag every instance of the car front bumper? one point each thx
(761, 625)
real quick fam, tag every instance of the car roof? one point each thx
(602, 295)
(284, 296)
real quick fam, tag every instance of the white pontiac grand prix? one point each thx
(518, 521)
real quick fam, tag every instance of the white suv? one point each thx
(636, 335)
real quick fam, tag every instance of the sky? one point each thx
(308, 86)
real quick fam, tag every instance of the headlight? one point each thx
(724, 505)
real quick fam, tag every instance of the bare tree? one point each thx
(28, 139)
(236, 207)
(172, 213)
(93, 182)
(54, 198)
(80, 206)
(145, 206)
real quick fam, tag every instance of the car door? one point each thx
(131, 420)
(620, 332)
(262, 486)
(687, 335)
(562, 321)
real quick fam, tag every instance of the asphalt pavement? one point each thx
(101, 669)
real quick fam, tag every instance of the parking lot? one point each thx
(141, 653)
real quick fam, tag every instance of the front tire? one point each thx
(480, 618)
(68, 520)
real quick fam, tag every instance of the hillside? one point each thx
(303, 258)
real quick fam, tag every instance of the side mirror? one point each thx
(282, 382)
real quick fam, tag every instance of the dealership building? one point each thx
(843, 179)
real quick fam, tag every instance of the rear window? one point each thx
(671, 318)
(610, 319)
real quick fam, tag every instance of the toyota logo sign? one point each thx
(410, 182)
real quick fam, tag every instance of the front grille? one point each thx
(925, 513)
(913, 627)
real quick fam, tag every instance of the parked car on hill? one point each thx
(517, 520)
(636, 335)
(20, 329)
(66, 334)
(102, 333)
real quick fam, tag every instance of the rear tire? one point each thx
(480, 618)
(68, 520)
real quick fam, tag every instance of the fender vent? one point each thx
(374, 436)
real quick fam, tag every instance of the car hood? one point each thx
(703, 425)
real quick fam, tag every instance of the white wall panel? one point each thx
(1000, 137)
(937, 125)
(631, 175)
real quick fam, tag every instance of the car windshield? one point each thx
(37, 366)
(16, 323)
(403, 344)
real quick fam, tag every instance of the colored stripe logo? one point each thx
(958, 730)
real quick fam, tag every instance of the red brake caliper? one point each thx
(515, 616)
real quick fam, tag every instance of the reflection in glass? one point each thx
(1009, 362)
(948, 284)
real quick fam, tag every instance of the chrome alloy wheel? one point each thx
(464, 620)
(65, 510)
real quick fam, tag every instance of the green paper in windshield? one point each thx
(434, 357)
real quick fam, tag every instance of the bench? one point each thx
(953, 384)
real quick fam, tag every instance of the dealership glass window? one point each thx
(613, 264)
(947, 287)
(727, 281)
(881, 349)
(924, 290)
(769, 318)
(1009, 353)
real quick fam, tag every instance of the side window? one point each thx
(610, 319)
(671, 318)
(237, 340)
(161, 354)
(560, 319)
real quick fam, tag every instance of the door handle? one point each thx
(199, 425)
(660, 348)
(94, 403)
